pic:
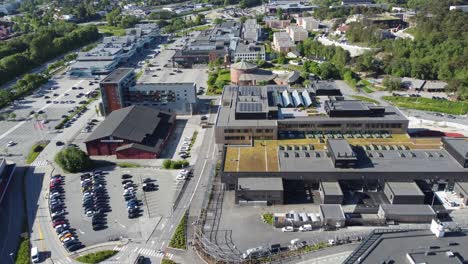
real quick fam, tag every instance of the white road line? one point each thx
(43, 108)
(135, 250)
(198, 182)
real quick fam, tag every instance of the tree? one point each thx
(328, 71)
(279, 13)
(392, 84)
(73, 160)
(167, 164)
(12, 116)
(218, 21)
(281, 59)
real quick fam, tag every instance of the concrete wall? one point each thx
(272, 197)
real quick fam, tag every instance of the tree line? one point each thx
(21, 54)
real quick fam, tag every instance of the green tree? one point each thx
(329, 71)
(279, 13)
(73, 160)
(392, 84)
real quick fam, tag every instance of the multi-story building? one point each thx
(282, 42)
(297, 33)
(288, 7)
(308, 23)
(249, 52)
(210, 45)
(113, 51)
(251, 31)
(277, 23)
(270, 112)
(119, 89)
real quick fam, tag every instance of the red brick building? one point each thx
(134, 132)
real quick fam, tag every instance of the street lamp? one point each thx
(11, 256)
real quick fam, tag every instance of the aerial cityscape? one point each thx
(233, 131)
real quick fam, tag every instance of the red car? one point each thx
(56, 180)
(58, 222)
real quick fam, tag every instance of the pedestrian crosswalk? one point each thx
(146, 252)
(40, 163)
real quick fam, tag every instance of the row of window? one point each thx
(229, 131)
(355, 125)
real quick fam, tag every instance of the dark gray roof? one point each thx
(132, 123)
(398, 245)
(117, 75)
(460, 145)
(404, 188)
(332, 211)
(261, 184)
(408, 209)
(324, 85)
(331, 188)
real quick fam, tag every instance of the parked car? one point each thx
(287, 229)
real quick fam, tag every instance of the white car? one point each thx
(184, 172)
(306, 227)
(181, 177)
(61, 226)
(331, 242)
(89, 213)
(184, 148)
(68, 239)
(287, 229)
(187, 138)
(11, 143)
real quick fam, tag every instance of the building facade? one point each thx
(297, 33)
(282, 42)
(119, 89)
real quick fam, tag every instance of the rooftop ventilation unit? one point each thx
(307, 154)
(402, 155)
(286, 155)
(381, 155)
(317, 155)
(296, 154)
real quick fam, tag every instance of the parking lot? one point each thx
(153, 204)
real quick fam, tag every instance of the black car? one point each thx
(147, 180)
(74, 247)
(126, 176)
(59, 143)
(141, 260)
(48, 102)
(126, 181)
(132, 215)
(99, 227)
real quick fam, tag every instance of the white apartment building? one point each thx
(308, 23)
(249, 52)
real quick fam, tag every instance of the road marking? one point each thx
(81, 231)
(198, 182)
(40, 163)
(169, 255)
(43, 108)
(135, 250)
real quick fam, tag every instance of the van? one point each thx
(306, 227)
(34, 255)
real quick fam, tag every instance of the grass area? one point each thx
(426, 104)
(23, 256)
(198, 28)
(138, 75)
(179, 240)
(175, 164)
(128, 165)
(365, 99)
(167, 261)
(96, 257)
(34, 152)
(268, 218)
(115, 31)
(223, 77)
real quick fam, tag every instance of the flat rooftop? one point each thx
(408, 209)
(117, 75)
(404, 188)
(332, 211)
(399, 245)
(331, 188)
(260, 184)
(460, 145)
(267, 155)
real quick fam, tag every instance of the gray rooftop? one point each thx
(460, 145)
(332, 211)
(261, 184)
(404, 188)
(132, 123)
(374, 161)
(463, 186)
(341, 149)
(397, 246)
(331, 188)
(324, 85)
(246, 48)
(117, 75)
(408, 209)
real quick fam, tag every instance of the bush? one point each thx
(23, 254)
(167, 164)
(175, 164)
(34, 152)
(128, 165)
(167, 261)
(73, 160)
(179, 240)
(268, 218)
(97, 256)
